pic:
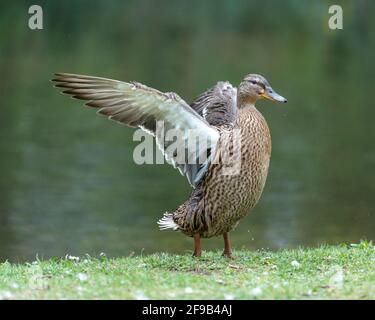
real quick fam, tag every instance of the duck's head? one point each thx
(254, 87)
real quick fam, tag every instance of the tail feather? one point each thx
(167, 222)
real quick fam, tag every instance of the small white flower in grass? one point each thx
(228, 296)
(295, 264)
(256, 291)
(14, 285)
(82, 277)
(337, 279)
(308, 293)
(102, 255)
(139, 295)
(188, 290)
(71, 258)
(276, 286)
(6, 295)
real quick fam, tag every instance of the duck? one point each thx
(223, 191)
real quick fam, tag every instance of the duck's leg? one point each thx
(197, 245)
(227, 246)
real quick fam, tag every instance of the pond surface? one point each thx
(68, 183)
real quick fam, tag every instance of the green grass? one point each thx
(328, 272)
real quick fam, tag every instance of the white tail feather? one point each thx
(167, 222)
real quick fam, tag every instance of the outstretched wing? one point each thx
(217, 105)
(137, 105)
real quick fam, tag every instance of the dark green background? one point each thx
(68, 183)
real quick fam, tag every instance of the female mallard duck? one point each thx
(218, 200)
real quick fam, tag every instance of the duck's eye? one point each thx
(253, 82)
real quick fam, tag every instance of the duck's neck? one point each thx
(248, 109)
(245, 99)
(247, 106)
(246, 103)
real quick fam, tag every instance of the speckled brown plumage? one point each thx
(219, 200)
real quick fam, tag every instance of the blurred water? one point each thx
(68, 183)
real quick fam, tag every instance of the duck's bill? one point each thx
(270, 94)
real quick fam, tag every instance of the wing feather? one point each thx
(137, 105)
(217, 105)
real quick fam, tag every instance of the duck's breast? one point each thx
(229, 195)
